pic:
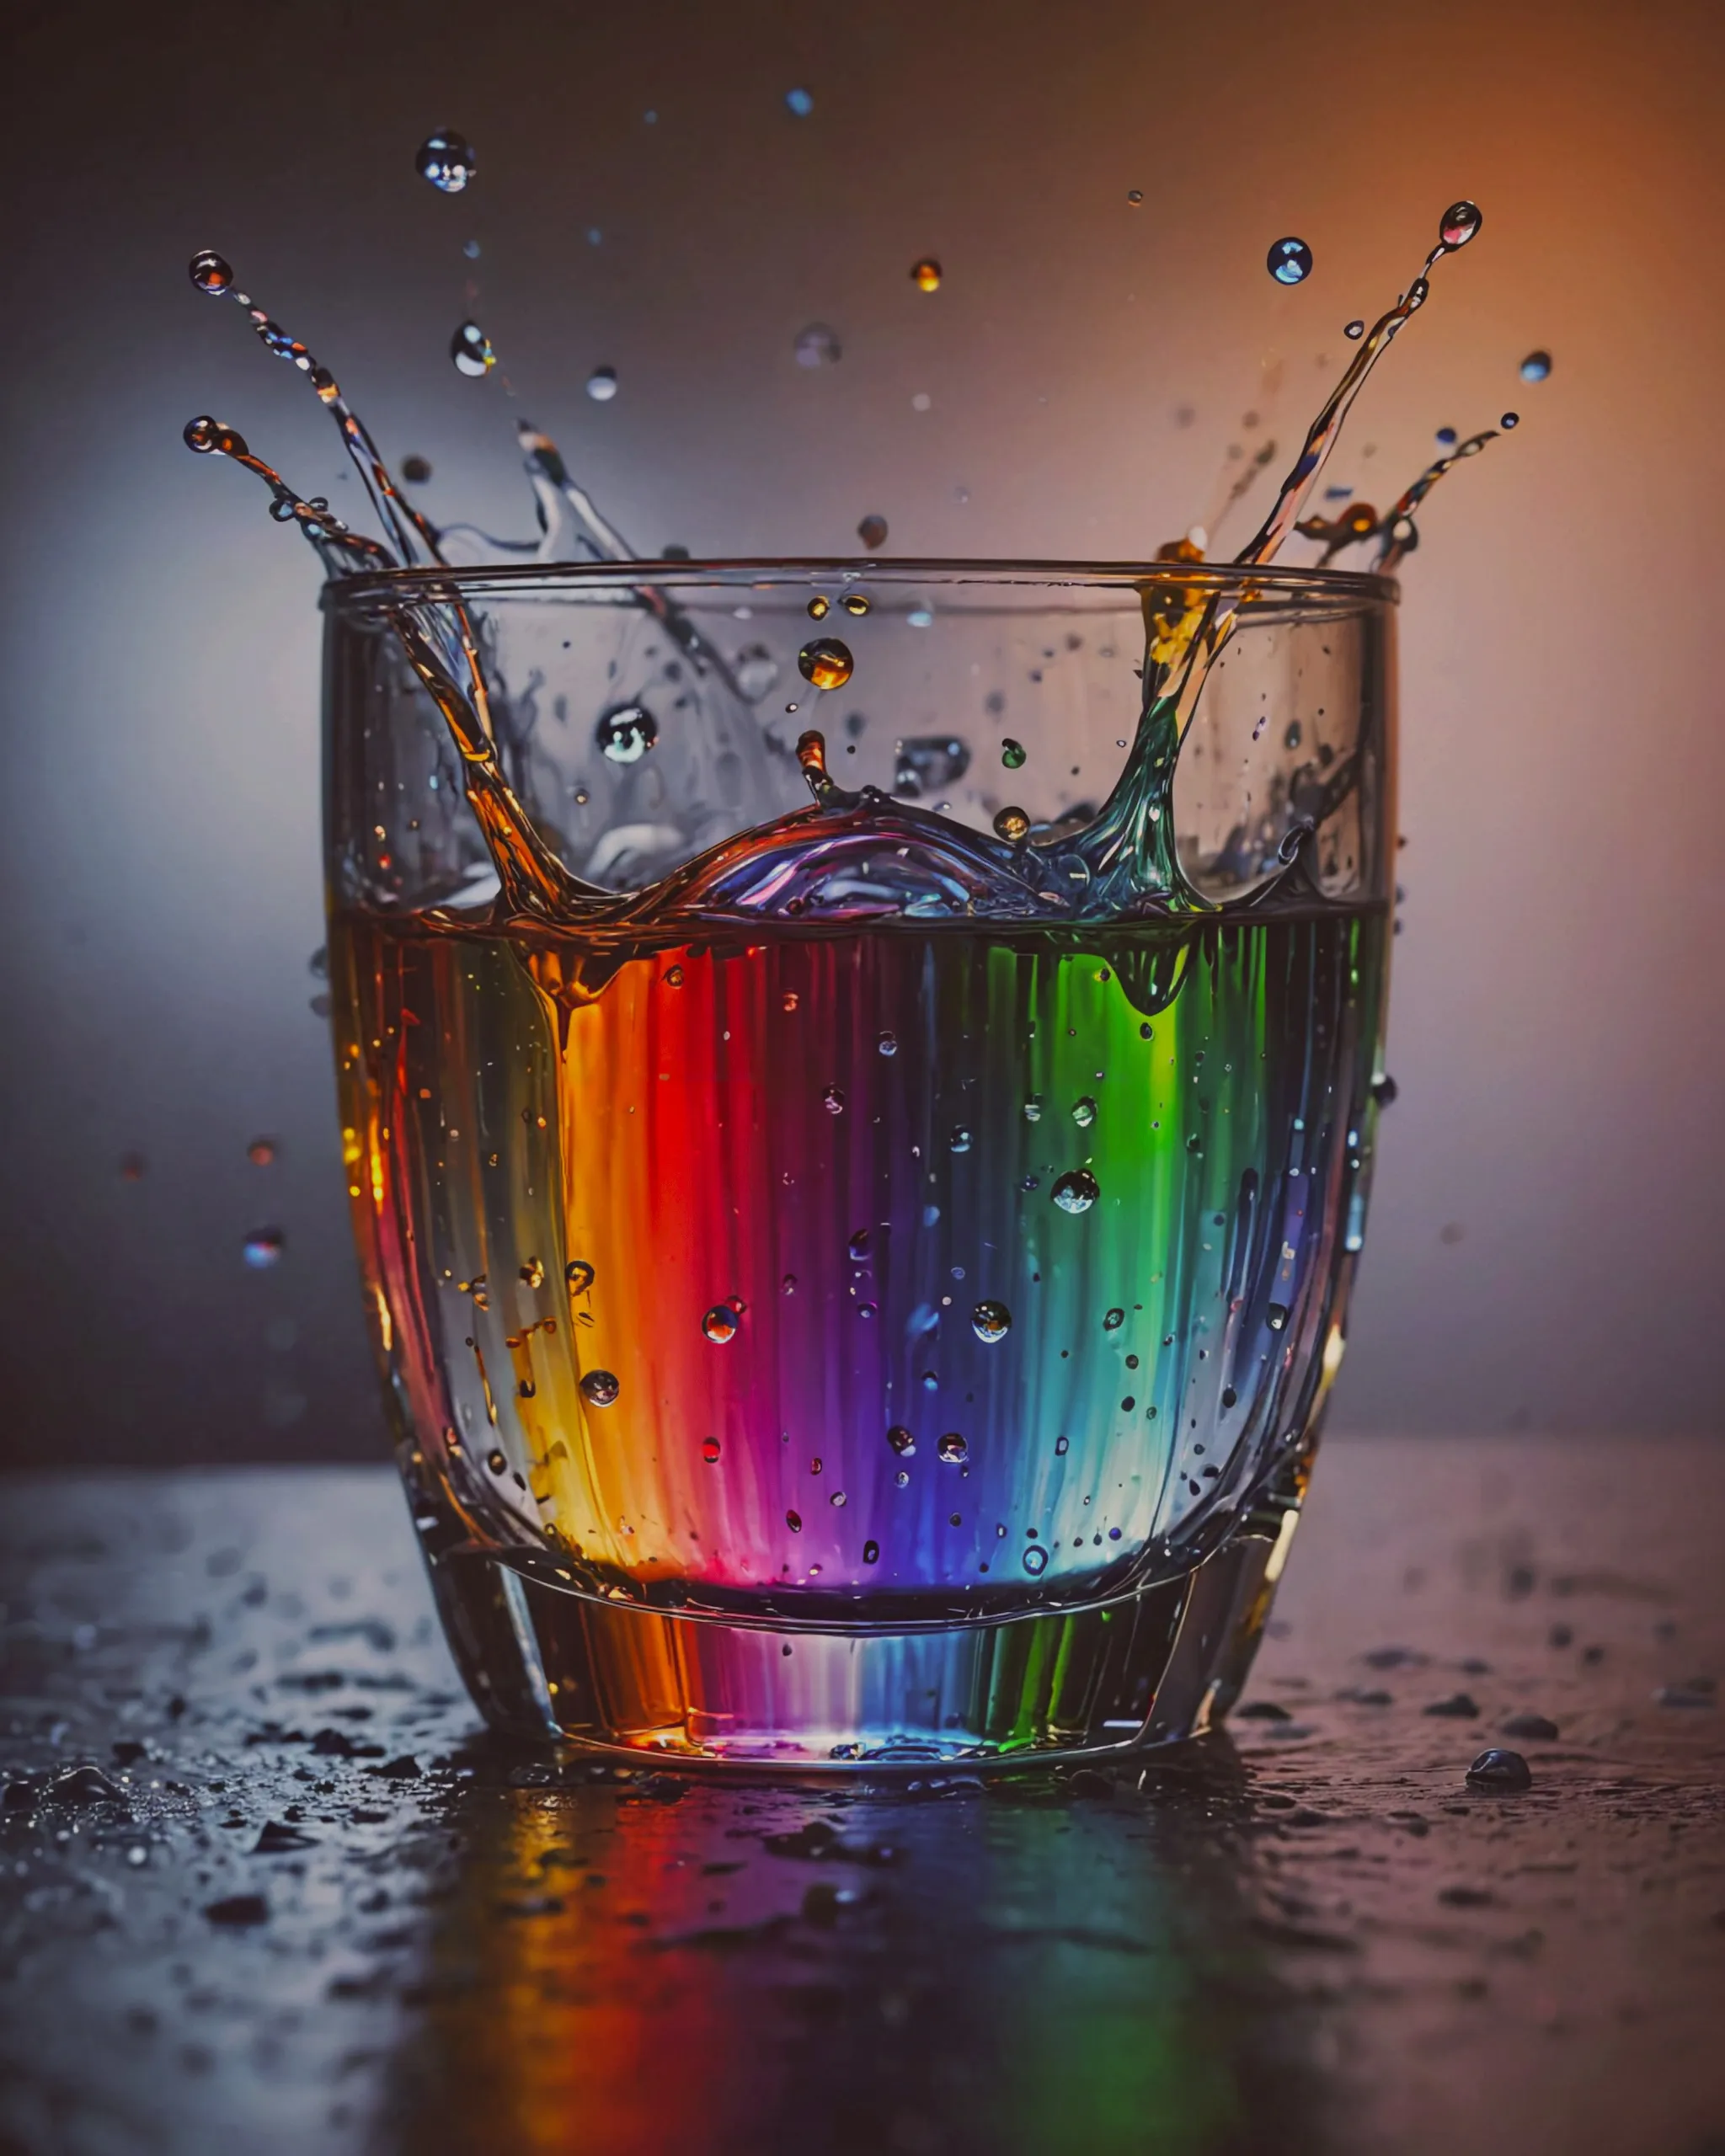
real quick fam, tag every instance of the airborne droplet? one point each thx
(1012, 823)
(952, 1449)
(855, 602)
(709, 1451)
(470, 347)
(818, 608)
(833, 1100)
(1012, 755)
(1276, 1316)
(959, 1142)
(990, 1321)
(447, 159)
(901, 1441)
(1509, 420)
(211, 274)
(263, 1249)
(818, 346)
(601, 385)
(1458, 224)
(599, 1389)
(720, 1324)
(872, 531)
(1113, 1319)
(1534, 368)
(1084, 1112)
(926, 274)
(1354, 330)
(1035, 1559)
(261, 1152)
(626, 732)
(1076, 1192)
(825, 662)
(1289, 261)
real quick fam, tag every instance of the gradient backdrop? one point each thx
(1552, 1189)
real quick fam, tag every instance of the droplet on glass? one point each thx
(580, 1275)
(1289, 261)
(1035, 1559)
(210, 273)
(1509, 420)
(261, 1152)
(1012, 823)
(990, 1321)
(263, 1249)
(795, 1522)
(470, 347)
(1536, 366)
(1113, 1319)
(1084, 1112)
(952, 1449)
(599, 1389)
(1077, 1191)
(626, 732)
(1354, 330)
(720, 1324)
(799, 102)
(827, 663)
(1458, 224)
(872, 531)
(901, 1441)
(833, 1100)
(447, 159)
(601, 385)
(709, 1451)
(817, 346)
(926, 274)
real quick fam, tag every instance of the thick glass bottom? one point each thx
(1150, 1668)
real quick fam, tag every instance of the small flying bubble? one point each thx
(872, 531)
(599, 1389)
(1458, 224)
(210, 273)
(799, 102)
(263, 1249)
(827, 663)
(926, 274)
(447, 159)
(626, 733)
(470, 347)
(1536, 366)
(1354, 330)
(601, 385)
(1509, 420)
(1289, 261)
(990, 1321)
(720, 1324)
(816, 345)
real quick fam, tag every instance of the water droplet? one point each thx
(1509, 420)
(755, 670)
(888, 1043)
(833, 1100)
(1134, 196)
(926, 763)
(415, 469)
(855, 602)
(599, 1389)
(826, 662)
(990, 1321)
(601, 385)
(1229, 1397)
(858, 1245)
(818, 608)
(1354, 330)
(1446, 437)
(210, 273)
(1113, 1319)
(795, 1522)
(959, 1142)
(470, 347)
(871, 1553)
(1384, 1090)
(926, 274)
(872, 531)
(952, 1449)
(1012, 823)
(496, 1460)
(720, 1324)
(626, 732)
(261, 1152)
(799, 102)
(1289, 261)
(263, 1249)
(709, 1450)
(1534, 368)
(1458, 224)
(532, 1274)
(673, 976)
(901, 1441)
(1076, 1192)
(1499, 1770)
(1012, 755)
(1276, 1316)
(1084, 1112)
(1033, 1110)
(818, 346)
(1035, 1559)
(447, 159)
(580, 1275)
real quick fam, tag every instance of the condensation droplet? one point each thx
(416, 470)
(1289, 261)
(626, 732)
(1076, 1192)
(952, 1449)
(827, 663)
(818, 608)
(1509, 420)
(1134, 196)
(959, 1142)
(799, 102)
(871, 1553)
(991, 1320)
(599, 1389)
(580, 1275)
(447, 159)
(795, 1522)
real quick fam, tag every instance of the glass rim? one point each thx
(1327, 591)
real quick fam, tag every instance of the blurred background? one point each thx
(1551, 1179)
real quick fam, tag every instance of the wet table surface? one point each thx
(304, 1902)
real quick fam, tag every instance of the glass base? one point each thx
(1150, 1668)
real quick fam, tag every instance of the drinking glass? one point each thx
(857, 1278)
